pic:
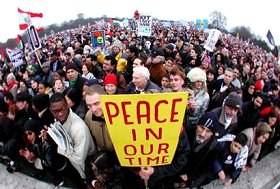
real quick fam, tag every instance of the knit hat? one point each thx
(46, 65)
(234, 100)
(207, 59)
(117, 43)
(23, 96)
(32, 125)
(209, 120)
(170, 46)
(263, 128)
(196, 74)
(110, 79)
(71, 66)
(259, 85)
(32, 67)
(91, 82)
(241, 138)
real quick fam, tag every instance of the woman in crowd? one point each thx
(75, 103)
(201, 98)
(111, 84)
(248, 91)
(34, 86)
(58, 85)
(87, 69)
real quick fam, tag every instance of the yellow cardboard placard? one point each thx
(145, 128)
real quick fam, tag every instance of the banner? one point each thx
(33, 38)
(26, 18)
(145, 25)
(2, 55)
(270, 38)
(98, 38)
(145, 128)
(132, 25)
(15, 56)
(201, 23)
(212, 39)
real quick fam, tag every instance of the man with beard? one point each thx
(250, 113)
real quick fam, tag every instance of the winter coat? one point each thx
(81, 141)
(99, 131)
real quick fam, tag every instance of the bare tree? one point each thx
(218, 20)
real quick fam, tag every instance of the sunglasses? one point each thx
(28, 132)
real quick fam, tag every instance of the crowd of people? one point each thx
(231, 121)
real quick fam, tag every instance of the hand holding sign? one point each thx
(150, 125)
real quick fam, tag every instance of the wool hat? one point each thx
(241, 138)
(234, 100)
(32, 125)
(209, 120)
(23, 96)
(157, 52)
(32, 67)
(110, 79)
(91, 82)
(259, 85)
(263, 128)
(207, 59)
(46, 65)
(170, 47)
(196, 74)
(72, 66)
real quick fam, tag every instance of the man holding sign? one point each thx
(148, 137)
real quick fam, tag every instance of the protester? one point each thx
(78, 135)
(243, 64)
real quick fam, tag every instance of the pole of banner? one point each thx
(38, 59)
(203, 55)
(146, 181)
(146, 184)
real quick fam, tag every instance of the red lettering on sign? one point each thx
(130, 150)
(111, 115)
(150, 131)
(133, 132)
(173, 112)
(125, 115)
(149, 152)
(144, 115)
(163, 147)
(149, 159)
(157, 110)
(164, 159)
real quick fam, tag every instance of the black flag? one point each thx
(270, 38)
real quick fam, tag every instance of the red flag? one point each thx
(26, 18)
(2, 55)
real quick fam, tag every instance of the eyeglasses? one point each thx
(28, 132)
(62, 109)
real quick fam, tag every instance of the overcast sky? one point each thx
(258, 15)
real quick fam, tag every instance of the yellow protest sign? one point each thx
(145, 128)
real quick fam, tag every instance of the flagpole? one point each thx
(38, 59)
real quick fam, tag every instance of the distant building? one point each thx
(80, 16)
